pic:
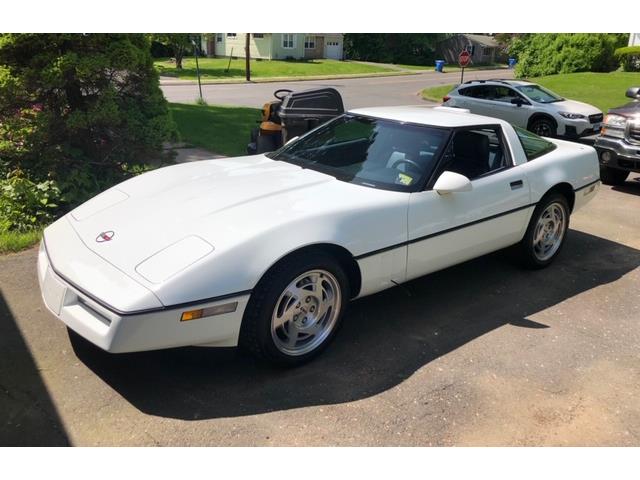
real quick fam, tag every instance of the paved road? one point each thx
(480, 354)
(356, 92)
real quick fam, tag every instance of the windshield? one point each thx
(369, 151)
(539, 94)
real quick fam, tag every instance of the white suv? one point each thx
(527, 105)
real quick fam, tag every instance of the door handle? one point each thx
(517, 184)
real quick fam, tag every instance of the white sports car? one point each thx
(266, 251)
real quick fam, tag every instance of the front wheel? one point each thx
(295, 310)
(546, 232)
(543, 127)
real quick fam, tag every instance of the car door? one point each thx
(451, 228)
(478, 99)
(503, 108)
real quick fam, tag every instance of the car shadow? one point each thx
(632, 186)
(28, 416)
(385, 338)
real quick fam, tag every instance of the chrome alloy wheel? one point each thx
(549, 231)
(306, 312)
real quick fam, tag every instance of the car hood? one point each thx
(171, 214)
(574, 106)
(629, 110)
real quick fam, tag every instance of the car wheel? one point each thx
(546, 231)
(295, 309)
(543, 127)
(613, 176)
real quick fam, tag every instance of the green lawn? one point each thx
(215, 68)
(603, 90)
(16, 241)
(223, 130)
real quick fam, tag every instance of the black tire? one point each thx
(255, 334)
(613, 176)
(543, 126)
(526, 249)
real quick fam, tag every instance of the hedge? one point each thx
(629, 58)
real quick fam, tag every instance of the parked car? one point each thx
(265, 251)
(618, 144)
(527, 105)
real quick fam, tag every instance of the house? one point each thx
(275, 46)
(483, 48)
(634, 39)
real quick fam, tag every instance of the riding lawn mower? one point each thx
(292, 115)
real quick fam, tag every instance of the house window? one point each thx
(258, 35)
(309, 42)
(486, 51)
(287, 40)
(219, 37)
(231, 35)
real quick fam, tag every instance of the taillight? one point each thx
(446, 98)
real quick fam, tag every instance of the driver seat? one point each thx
(470, 154)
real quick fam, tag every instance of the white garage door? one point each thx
(333, 49)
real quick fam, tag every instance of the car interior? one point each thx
(474, 153)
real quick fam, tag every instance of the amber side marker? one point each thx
(209, 311)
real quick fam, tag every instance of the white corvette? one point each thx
(266, 251)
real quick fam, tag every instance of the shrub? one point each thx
(551, 53)
(629, 58)
(24, 205)
(70, 101)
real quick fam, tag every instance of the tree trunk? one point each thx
(179, 53)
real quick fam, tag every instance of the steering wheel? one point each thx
(407, 161)
(284, 91)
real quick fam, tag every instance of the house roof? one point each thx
(486, 40)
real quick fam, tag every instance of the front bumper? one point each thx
(622, 155)
(119, 332)
(579, 127)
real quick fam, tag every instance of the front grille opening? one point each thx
(93, 312)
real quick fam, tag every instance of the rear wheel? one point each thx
(295, 310)
(546, 231)
(613, 176)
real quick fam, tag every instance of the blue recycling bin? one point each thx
(512, 62)
(439, 65)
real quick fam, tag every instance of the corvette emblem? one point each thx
(105, 236)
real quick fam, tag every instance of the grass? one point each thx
(603, 90)
(16, 241)
(223, 130)
(215, 68)
(435, 94)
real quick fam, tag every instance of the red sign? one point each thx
(464, 59)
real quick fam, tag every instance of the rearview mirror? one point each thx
(450, 182)
(633, 92)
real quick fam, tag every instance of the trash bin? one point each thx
(512, 62)
(439, 65)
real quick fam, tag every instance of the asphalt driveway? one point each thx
(356, 92)
(480, 354)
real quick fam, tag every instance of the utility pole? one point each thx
(247, 57)
(195, 51)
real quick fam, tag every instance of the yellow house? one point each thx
(275, 46)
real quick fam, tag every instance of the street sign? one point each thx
(464, 58)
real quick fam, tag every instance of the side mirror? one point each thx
(450, 182)
(517, 101)
(291, 140)
(633, 92)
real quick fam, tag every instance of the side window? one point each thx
(533, 145)
(484, 92)
(476, 152)
(505, 94)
